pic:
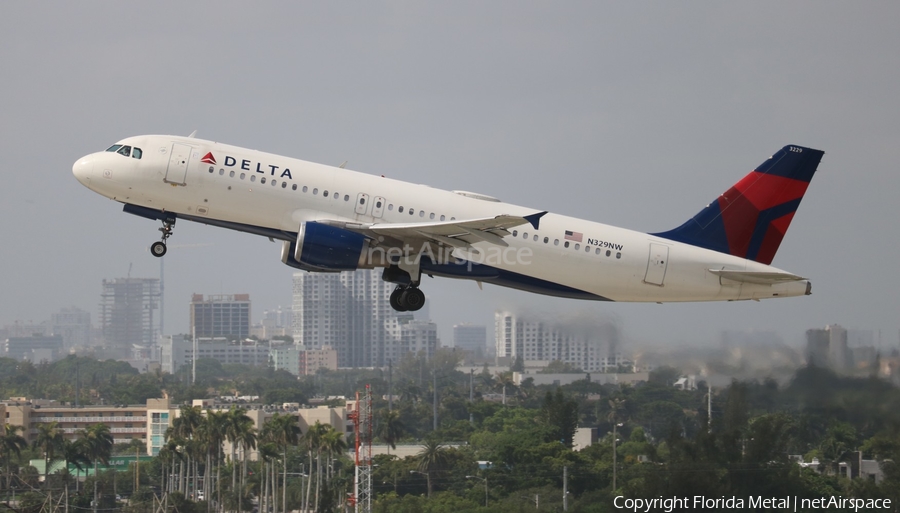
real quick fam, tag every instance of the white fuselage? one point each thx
(606, 263)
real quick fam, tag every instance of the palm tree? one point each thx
(11, 442)
(213, 431)
(433, 458)
(73, 454)
(313, 441)
(391, 428)
(183, 427)
(49, 439)
(138, 445)
(98, 444)
(331, 442)
(268, 453)
(239, 431)
(285, 432)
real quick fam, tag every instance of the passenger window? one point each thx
(294, 187)
(442, 217)
(324, 194)
(377, 204)
(597, 252)
(421, 213)
(390, 206)
(400, 210)
(535, 238)
(274, 183)
(262, 180)
(362, 201)
(525, 235)
(305, 188)
(587, 249)
(556, 242)
(243, 175)
(346, 197)
(566, 244)
(211, 169)
(546, 240)
(252, 178)
(608, 252)
(125, 150)
(412, 211)
(231, 174)
(221, 172)
(453, 219)
(431, 216)
(283, 185)
(577, 246)
(618, 255)
(335, 195)
(137, 154)
(315, 191)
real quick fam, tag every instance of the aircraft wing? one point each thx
(457, 233)
(758, 277)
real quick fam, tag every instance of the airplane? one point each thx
(331, 219)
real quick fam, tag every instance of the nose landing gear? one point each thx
(158, 248)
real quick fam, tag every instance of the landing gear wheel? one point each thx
(158, 249)
(397, 300)
(413, 298)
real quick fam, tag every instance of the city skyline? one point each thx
(627, 114)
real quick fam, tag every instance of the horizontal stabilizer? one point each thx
(761, 278)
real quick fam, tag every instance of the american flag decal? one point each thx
(576, 236)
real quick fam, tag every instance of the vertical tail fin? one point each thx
(750, 219)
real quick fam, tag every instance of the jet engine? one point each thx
(324, 248)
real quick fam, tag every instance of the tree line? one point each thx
(513, 453)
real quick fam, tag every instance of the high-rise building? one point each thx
(73, 325)
(36, 348)
(127, 307)
(828, 348)
(589, 346)
(471, 338)
(418, 336)
(177, 351)
(221, 316)
(350, 312)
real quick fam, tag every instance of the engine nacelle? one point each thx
(324, 248)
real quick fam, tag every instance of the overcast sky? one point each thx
(635, 114)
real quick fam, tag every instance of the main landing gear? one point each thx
(407, 299)
(158, 248)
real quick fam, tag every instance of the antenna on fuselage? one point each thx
(342, 165)
(192, 134)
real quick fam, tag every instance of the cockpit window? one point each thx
(126, 151)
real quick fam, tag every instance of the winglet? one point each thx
(535, 219)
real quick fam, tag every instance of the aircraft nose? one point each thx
(83, 169)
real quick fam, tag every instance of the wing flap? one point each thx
(457, 233)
